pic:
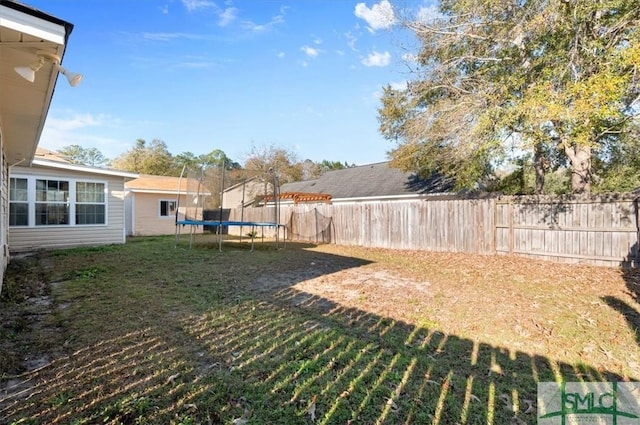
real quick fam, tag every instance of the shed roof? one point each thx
(150, 183)
(368, 181)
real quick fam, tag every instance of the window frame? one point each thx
(71, 202)
(169, 202)
(20, 202)
(102, 203)
(49, 208)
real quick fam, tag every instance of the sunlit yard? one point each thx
(146, 333)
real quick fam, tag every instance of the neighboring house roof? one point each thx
(148, 183)
(42, 153)
(242, 183)
(157, 184)
(378, 180)
(23, 104)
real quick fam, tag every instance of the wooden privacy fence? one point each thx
(599, 230)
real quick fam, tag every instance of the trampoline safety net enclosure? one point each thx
(201, 192)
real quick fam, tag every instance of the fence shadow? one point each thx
(313, 360)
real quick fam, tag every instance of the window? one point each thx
(167, 208)
(90, 203)
(40, 201)
(52, 202)
(18, 202)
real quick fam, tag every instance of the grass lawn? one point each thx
(145, 333)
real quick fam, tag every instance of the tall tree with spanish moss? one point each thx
(558, 80)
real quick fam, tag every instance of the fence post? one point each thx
(510, 212)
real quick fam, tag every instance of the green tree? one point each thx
(618, 169)
(313, 170)
(502, 76)
(185, 160)
(214, 158)
(326, 165)
(218, 158)
(77, 154)
(153, 158)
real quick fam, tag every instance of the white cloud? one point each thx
(192, 5)
(275, 20)
(227, 16)
(428, 14)
(76, 121)
(398, 85)
(310, 51)
(410, 57)
(377, 59)
(281, 55)
(168, 36)
(84, 129)
(195, 64)
(376, 95)
(351, 41)
(164, 9)
(379, 16)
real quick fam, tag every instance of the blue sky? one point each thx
(304, 75)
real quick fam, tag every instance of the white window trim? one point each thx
(9, 201)
(164, 217)
(31, 190)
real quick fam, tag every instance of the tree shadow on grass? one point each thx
(274, 354)
(631, 275)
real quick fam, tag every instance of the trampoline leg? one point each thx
(253, 229)
(219, 238)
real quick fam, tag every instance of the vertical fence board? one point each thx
(597, 230)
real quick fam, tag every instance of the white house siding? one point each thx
(65, 236)
(146, 214)
(128, 213)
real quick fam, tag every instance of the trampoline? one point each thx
(195, 194)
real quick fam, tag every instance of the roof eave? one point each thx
(82, 168)
(23, 127)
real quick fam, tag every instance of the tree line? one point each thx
(154, 158)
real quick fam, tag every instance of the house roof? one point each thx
(38, 162)
(51, 159)
(24, 105)
(370, 181)
(148, 183)
(240, 184)
(42, 153)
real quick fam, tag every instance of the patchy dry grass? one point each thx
(149, 334)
